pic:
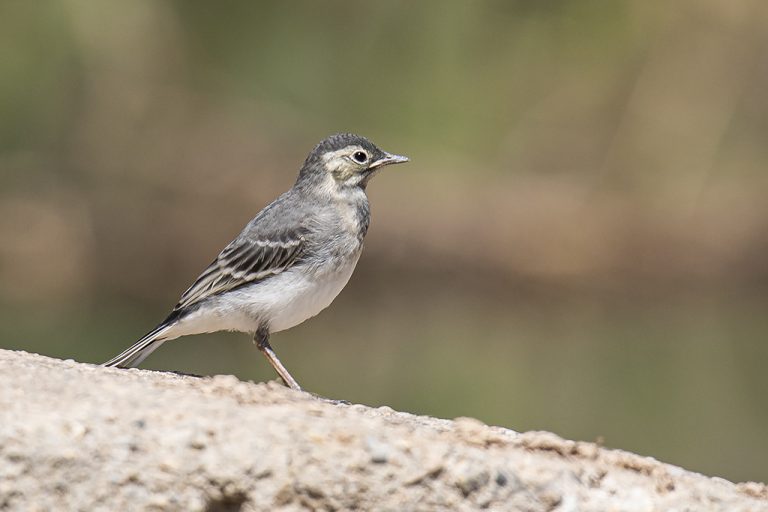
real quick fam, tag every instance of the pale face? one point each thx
(354, 165)
(348, 165)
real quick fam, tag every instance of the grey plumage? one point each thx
(289, 262)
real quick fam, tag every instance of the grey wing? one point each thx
(244, 261)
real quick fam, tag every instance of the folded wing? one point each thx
(244, 261)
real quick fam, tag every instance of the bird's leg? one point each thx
(262, 341)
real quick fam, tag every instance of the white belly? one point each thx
(291, 298)
(283, 301)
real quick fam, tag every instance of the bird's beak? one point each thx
(388, 159)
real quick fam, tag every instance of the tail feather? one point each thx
(136, 353)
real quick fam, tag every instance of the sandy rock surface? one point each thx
(78, 437)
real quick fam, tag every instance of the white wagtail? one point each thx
(289, 262)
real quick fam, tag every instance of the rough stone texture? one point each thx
(78, 437)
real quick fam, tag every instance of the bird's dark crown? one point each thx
(342, 140)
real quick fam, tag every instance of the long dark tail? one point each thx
(136, 353)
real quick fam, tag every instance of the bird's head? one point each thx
(345, 160)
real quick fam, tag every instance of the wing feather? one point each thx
(244, 261)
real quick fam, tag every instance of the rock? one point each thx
(79, 437)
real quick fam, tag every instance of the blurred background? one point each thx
(579, 244)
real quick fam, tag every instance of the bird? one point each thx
(289, 262)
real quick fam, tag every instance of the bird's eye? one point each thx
(360, 157)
